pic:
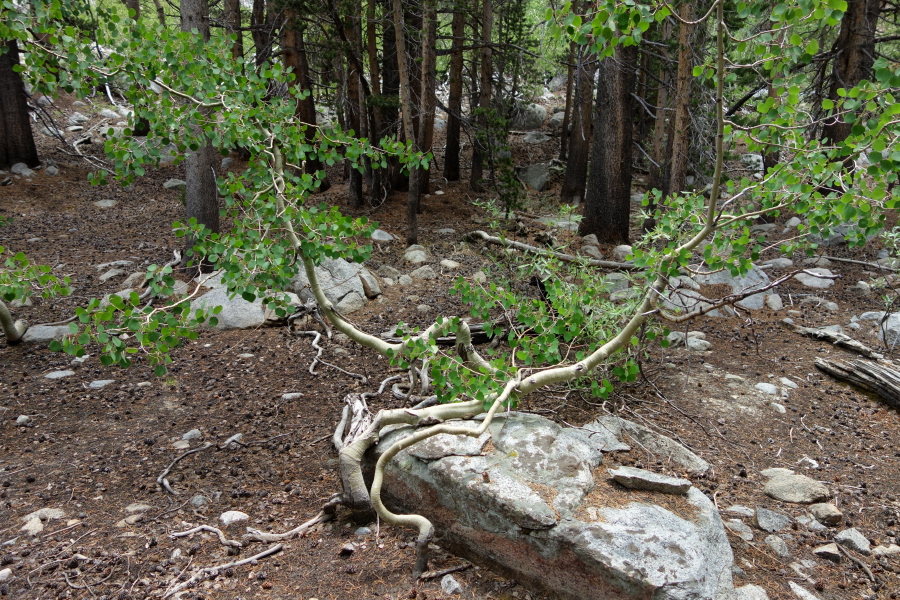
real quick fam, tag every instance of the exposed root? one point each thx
(210, 572)
(326, 514)
(12, 330)
(318, 357)
(225, 541)
(435, 574)
(163, 482)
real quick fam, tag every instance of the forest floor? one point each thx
(95, 454)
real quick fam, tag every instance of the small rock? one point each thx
(181, 445)
(100, 383)
(788, 383)
(771, 521)
(750, 592)
(193, 434)
(425, 272)
(362, 531)
(798, 489)
(812, 281)
(801, 592)
(5, 574)
(779, 408)
(861, 288)
(24, 421)
(423, 308)
(105, 203)
(779, 263)
(591, 240)
(347, 549)
(767, 388)
(778, 545)
(135, 507)
(109, 114)
(592, 251)
(33, 527)
(46, 514)
(44, 101)
(59, 374)
(405, 280)
(536, 137)
(52, 170)
(888, 550)
(445, 230)
(640, 479)
(818, 261)
(175, 184)
(388, 271)
(449, 264)
(826, 513)
(380, 235)
(810, 523)
(449, 585)
(292, 396)
(622, 252)
(199, 500)
(226, 162)
(828, 552)
(853, 539)
(479, 277)
(233, 516)
(775, 472)
(737, 509)
(740, 529)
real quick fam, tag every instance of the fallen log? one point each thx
(840, 340)
(873, 377)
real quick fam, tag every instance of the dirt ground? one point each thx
(96, 453)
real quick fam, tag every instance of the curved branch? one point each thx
(541, 252)
(12, 330)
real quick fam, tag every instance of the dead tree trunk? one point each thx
(479, 150)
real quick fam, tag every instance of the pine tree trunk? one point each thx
(681, 135)
(484, 98)
(16, 139)
(567, 115)
(608, 199)
(294, 56)
(412, 201)
(134, 5)
(572, 191)
(855, 48)
(201, 195)
(233, 25)
(454, 102)
(428, 100)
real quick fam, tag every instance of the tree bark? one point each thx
(855, 47)
(160, 14)
(295, 58)
(428, 100)
(567, 114)
(16, 139)
(454, 103)
(484, 97)
(233, 25)
(412, 202)
(681, 134)
(200, 195)
(662, 150)
(572, 191)
(608, 199)
(134, 5)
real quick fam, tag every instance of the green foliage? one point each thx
(493, 138)
(20, 280)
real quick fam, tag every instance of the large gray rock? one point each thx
(338, 279)
(236, 312)
(641, 479)
(799, 489)
(536, 176)
(812, 281)
(666, 448)
(530, 116)
(45, 333)
(525, 506)
(755, 278)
